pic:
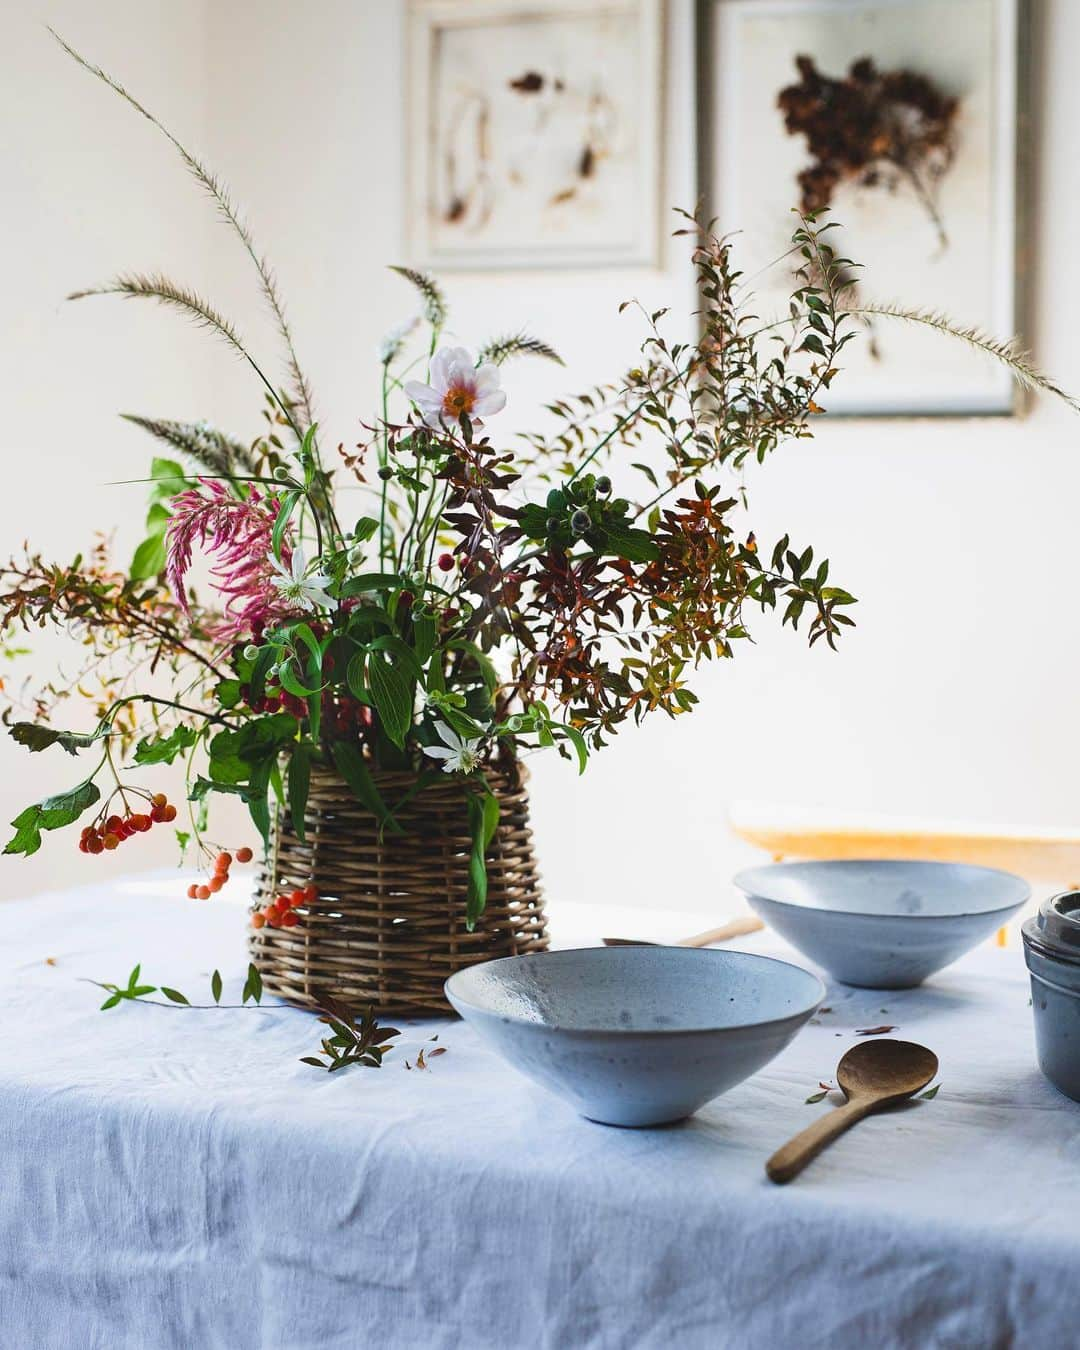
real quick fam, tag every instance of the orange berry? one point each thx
(86, 832)
(203, 893)
(311, 894)
(297, 898)
(110, 841)
(258, 920)
(141, 823)
(170, 812)
(84, 846)
(193, 891)
(94, 844)
(113, 824)
(243, 854)
(273, 918)
(290, 920)
(216, 883)
(159, 799)
(157, 814)
(223, 862)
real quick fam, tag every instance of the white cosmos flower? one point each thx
(457, 386)
(295, 585)
(459, 756)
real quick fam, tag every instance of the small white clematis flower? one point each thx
(296, 587)
(458, 756)
(457, 386)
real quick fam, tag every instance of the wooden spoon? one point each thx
(872, 1074)
(736, 928)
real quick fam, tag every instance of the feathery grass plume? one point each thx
(213, 449)
(435, 307)
(501, 349)
(155, 286)
(301, 390)
(1008, 353)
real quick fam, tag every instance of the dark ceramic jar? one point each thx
(1052, 952)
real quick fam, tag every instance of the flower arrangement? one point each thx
(487, 600)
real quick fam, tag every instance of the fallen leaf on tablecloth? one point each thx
(439, 1050)
(874, 1031)
(421, 1063)
(826, 1088)
(930, 1093)
(50, 960)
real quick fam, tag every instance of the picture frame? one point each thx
(965, 262)
(547, 161)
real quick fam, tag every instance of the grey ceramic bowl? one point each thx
(882, 925)
(636, 1035)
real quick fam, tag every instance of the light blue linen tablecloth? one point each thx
(174, 1178)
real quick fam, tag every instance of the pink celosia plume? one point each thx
(239, 534)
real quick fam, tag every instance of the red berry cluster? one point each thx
(281, 913)
(222, 863)
(110, 832)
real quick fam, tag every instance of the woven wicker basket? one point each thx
(389, 925)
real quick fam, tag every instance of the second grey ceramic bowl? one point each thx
(636, 1035)
(882, 925)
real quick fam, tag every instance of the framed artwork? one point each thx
(534, 132)
(901, 118)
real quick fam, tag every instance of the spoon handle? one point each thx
(789, 1161)
(750, 923)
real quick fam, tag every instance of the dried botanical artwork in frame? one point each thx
(533, 132)
(901, 117)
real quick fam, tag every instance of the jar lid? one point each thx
(1056, 927)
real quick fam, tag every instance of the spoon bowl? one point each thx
(872, 1075)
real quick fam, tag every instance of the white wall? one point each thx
(88, 192)
(952, 698)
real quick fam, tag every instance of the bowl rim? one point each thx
(753, 894)
(693, 953)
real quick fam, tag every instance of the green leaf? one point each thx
(631, 544)
(285, 509)
(259, 671)
(110, 1002)
(483, 810)
(215, 985)
(930, 1093)
(577, 740)
(299, 782)
(310, 1059)
(816, 1097)
(228, 693)
(372, 581)
(483, 663)
(174, 995)
(169, 478)
(392, 693)
(52, 813)
(364, 529)
(234, 754)
(353, 768)
(288, 681)
(149, 558)
(253, 987)
(401, 651)
(164, 749)
(425, 633)
(37, 737)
